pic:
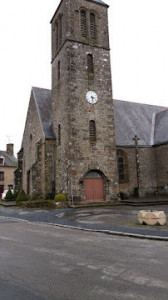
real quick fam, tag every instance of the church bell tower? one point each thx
(82, 106)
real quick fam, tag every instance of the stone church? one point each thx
(77, 139)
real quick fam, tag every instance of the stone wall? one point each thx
(18, 175)
(35, 158)
(75, 155)
(49, 169)
(148, 182)
(161, 153)
(32, 138)
(8, 176)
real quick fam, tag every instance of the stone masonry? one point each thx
(75, 155)
(57, 152)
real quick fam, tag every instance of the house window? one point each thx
(1, 176)
(92, 26)
(92, 131)
(59, 70)
(90, 63)
(122, 166)
(59, 134)
(1, 161)
(83, 23)
(10, 187)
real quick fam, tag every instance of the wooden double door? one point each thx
(94, 189)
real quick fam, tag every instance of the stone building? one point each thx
(79, 141)
(8, 165)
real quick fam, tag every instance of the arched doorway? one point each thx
(94, 186)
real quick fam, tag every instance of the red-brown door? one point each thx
(1, 190)
(94, 189)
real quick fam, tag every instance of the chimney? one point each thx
(9, 149)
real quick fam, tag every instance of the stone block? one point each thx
(151, 218)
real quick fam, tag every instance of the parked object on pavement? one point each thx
(152, 217)
(5, 193)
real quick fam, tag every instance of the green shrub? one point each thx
(60, 198)
(36, 196)
(15, 195)
(21, 196)
(37, 204)
(9, 196)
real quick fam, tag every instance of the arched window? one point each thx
(92, 131)
(90, 63)
(122, 166)
(92, 26)
(59, 134)
(83, 23)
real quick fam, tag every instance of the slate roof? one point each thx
(161, 127)
(135, 119)
(9, 160)
(100, 2)
(42, 99)
(148, 122)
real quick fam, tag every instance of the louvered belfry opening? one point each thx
(92, 131)
(56, 33)
(90, 63)
(92, 26)
(83, 23)
(60, 30)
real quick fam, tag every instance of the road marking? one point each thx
(103, 277)
(95, 288)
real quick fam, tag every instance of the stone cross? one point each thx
(136, 139)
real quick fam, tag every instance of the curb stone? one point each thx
(111, 232)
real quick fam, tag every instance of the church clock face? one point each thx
(91, 97)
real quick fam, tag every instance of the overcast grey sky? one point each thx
(139, 55)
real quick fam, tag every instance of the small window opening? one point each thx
(92, 131)
(90, 63)
(92, 26)
(83, 23)
(59, 70)
(1, 161)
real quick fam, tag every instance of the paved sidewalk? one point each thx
(120, 220)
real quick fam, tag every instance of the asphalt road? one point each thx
(44, 262)
(122, 219)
